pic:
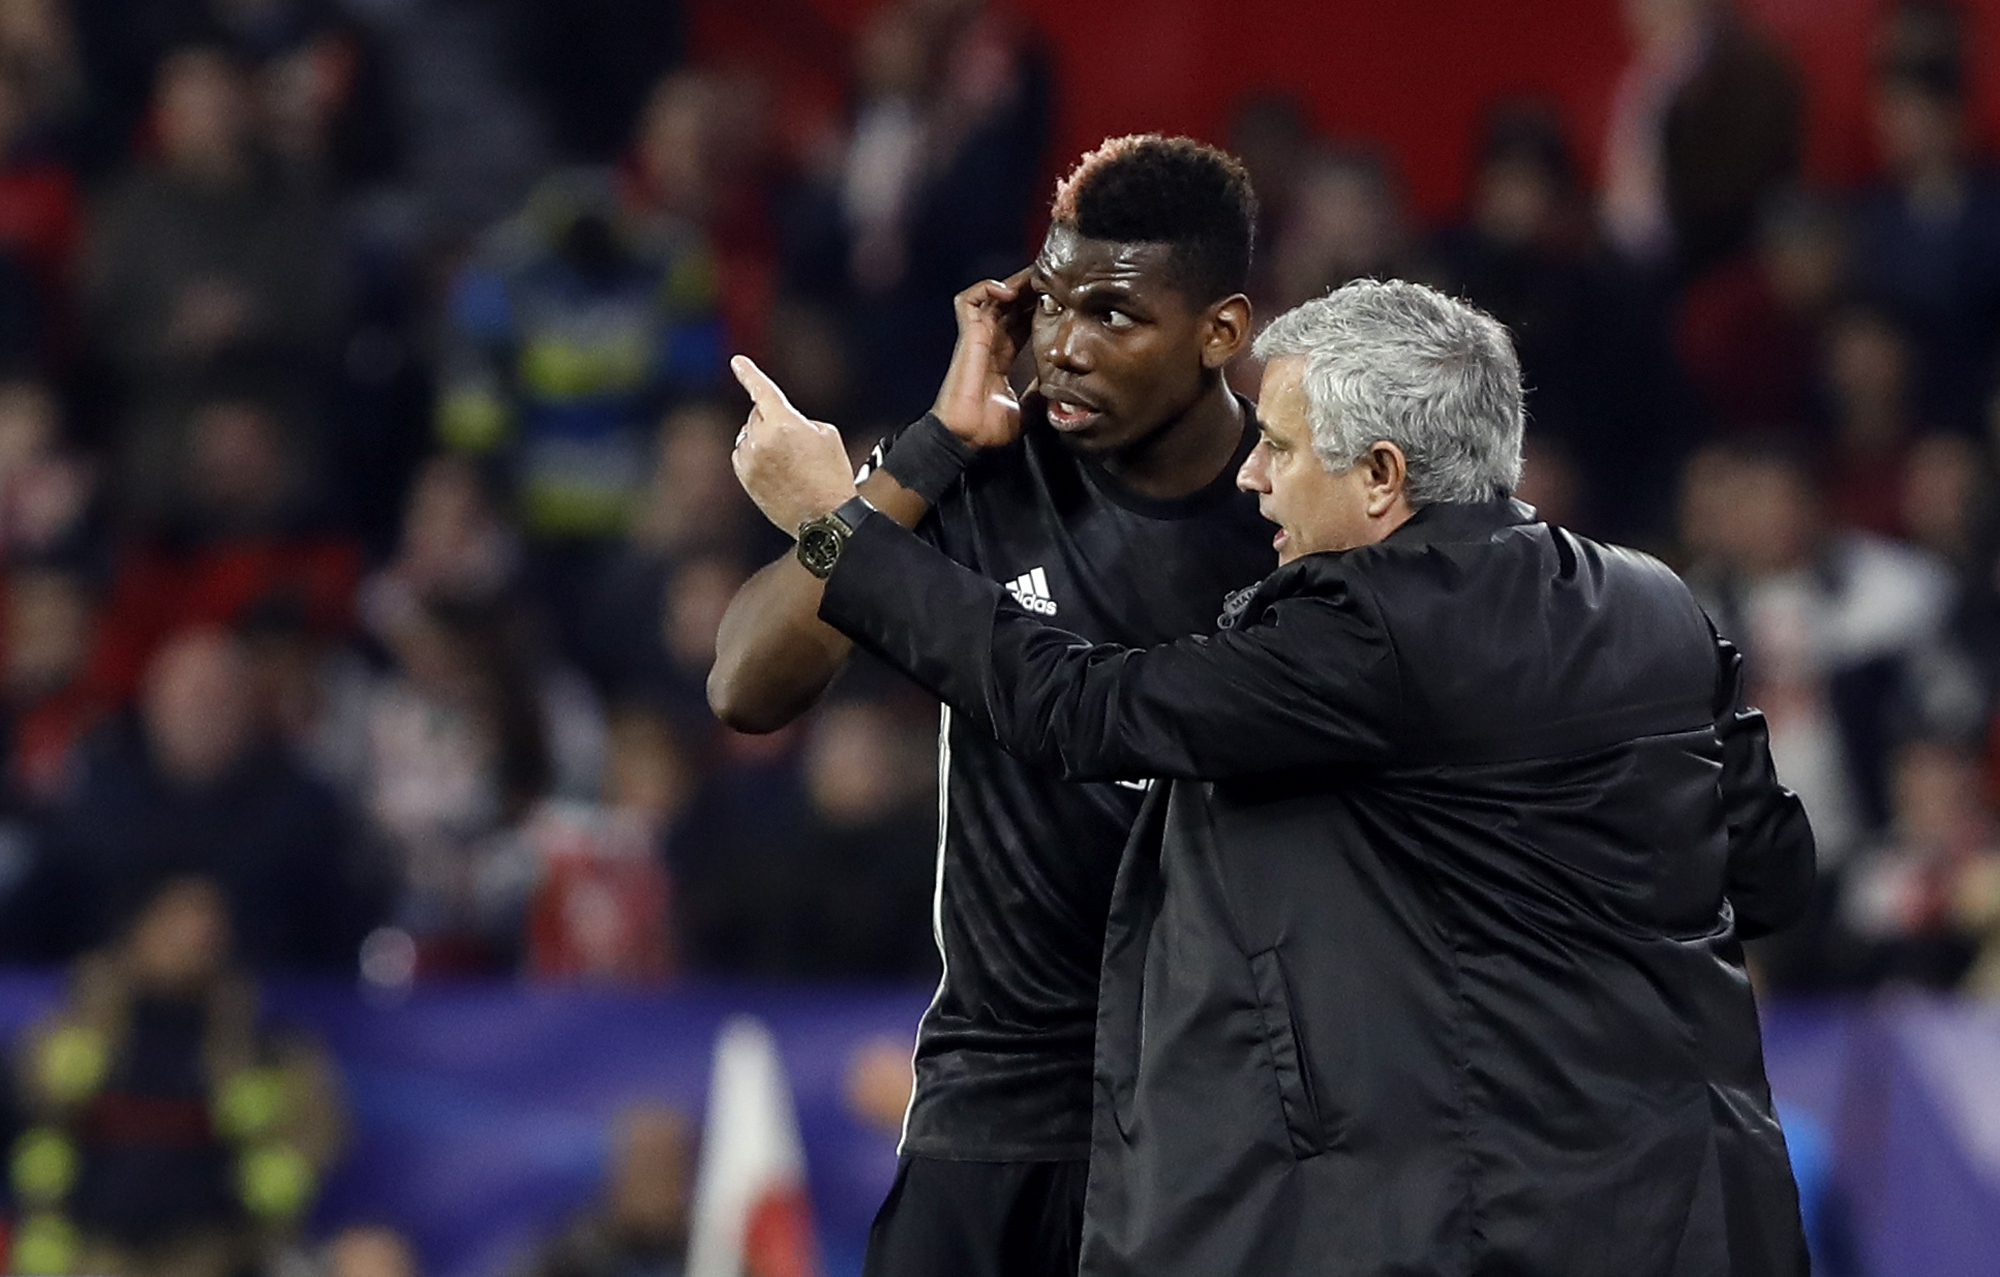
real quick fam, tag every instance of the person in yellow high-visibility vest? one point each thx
(169, 1130)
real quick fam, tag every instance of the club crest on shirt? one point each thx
(1031, 591)
(1235, 606)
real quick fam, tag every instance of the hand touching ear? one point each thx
(976, 403)
(794, 468)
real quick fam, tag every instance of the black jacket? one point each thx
(1424, 958)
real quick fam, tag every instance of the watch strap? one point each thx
(852, 511)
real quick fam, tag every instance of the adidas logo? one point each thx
(1031, 591)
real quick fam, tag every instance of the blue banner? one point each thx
(481, 1112)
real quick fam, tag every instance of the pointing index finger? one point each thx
(764, 392)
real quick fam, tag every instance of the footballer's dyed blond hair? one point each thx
(1146, 188)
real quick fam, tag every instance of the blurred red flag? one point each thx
(751, 1214)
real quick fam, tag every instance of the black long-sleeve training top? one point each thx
(1026, 858)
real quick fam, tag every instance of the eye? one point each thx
(1118, 319)
(1049, 305)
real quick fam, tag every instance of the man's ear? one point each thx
(1225, 330)
(1388, 473)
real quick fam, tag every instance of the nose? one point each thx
(1061, 345)
(1254, 476)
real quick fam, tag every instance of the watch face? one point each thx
(819, 548)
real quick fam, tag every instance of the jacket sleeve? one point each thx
(1313, 682)
(1771, 850)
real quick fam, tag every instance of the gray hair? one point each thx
(1396, 361)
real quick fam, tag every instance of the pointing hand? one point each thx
(794, 468)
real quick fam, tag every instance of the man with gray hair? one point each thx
(1425, 957)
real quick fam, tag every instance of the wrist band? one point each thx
(927, 458)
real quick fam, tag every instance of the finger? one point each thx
(1016, 315)
(989, 297)
(973, 305)
(989, 290)
(763, 391)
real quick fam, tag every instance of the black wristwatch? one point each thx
(821, 540)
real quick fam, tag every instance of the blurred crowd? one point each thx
(364, 490)
(366, 514)
(365, 505)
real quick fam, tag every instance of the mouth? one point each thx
(1068, 412)
(1279, 539)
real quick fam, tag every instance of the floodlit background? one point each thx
(374, 881)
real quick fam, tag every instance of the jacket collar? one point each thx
(1443, 522)
(1440, 523)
